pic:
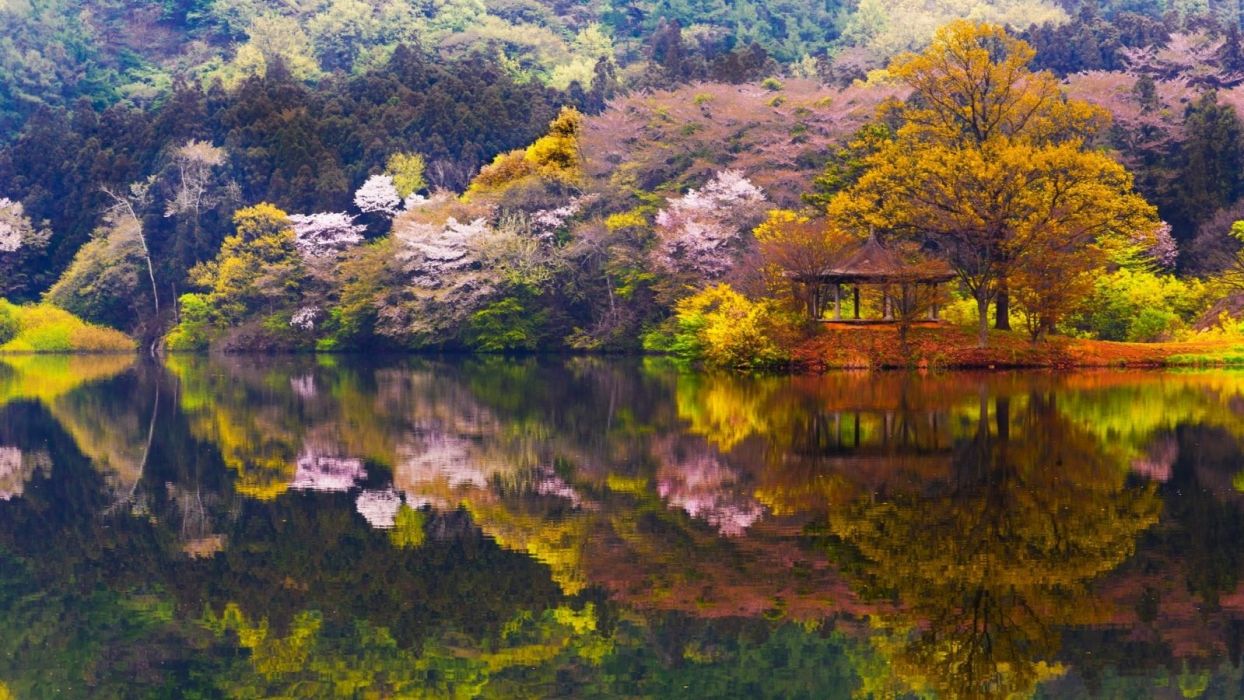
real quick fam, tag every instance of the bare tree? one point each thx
(124, 215)
(196, 162)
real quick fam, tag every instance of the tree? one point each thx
(325, 234)
(1212, 159)
(104, 281)
(21, 244)
(801, 248)
(124, 215)
(200, 184)
(1052, 284)
(990, 165)
(378, 195)
(700, 234)
(257, 268)
(406, 170)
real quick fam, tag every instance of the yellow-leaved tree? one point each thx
(993, 168)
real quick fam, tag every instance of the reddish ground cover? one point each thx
(944, 346)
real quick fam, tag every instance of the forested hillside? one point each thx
(534, 174)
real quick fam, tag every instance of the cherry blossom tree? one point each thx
(708, 490)
(702, 232)
(378, 507)
(378, 195)
(1163, 249)
(319, 472)
(13, 225)
(325, 234)
(306, 318)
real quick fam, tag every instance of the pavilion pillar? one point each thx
(933, 302)
(885, 306)
(856, 293)
(837, 301)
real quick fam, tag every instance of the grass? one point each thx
(40, 328)
(1227, 357)
(953, 347)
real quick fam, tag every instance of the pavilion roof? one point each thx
(873, 262)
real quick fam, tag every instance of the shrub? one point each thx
(194, 332)
(8, 322)
(1139, 305)
(505, 325)
(46, 328)
(722, 328)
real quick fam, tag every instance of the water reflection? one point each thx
(489, 527)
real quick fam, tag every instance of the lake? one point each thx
(587, 527)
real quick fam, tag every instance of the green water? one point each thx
(576, 527)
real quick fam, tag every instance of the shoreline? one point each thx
(856, 348)
(956, 348)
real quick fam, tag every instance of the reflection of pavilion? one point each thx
(876, 441)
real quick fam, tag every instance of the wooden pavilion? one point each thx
(872, 263)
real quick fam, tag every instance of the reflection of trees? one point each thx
(988, 562)
(110, 424)
(961, 536)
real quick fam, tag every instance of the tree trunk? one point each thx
(1002, 416)
(982, 310)
(1002, 309)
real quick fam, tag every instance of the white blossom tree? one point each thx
(21, 243)
(702, 232)
(378, 507)
(13, 226)
(325, 234)
(378, 195)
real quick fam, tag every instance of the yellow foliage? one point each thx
(726, 329)
(627, 219)
(46, 328)
(555, 156)
(982, 124)
(406, 169)
(408, 528)
(257, 266)
(506, 168)
(271, 657)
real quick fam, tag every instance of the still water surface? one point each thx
(302, 527)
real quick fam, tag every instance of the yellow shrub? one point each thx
(726, 329)
(46, 328)
(628, 219)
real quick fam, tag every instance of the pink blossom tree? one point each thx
(702, 233)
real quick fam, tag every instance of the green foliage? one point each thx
(504, 325)
(196, 328)
(105, 283)
(1138, 305)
